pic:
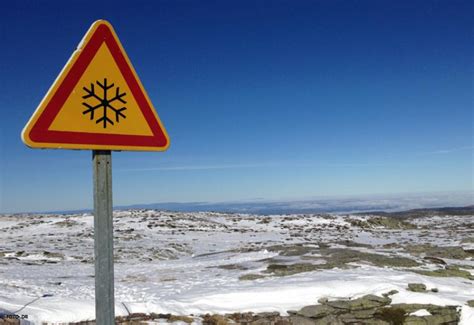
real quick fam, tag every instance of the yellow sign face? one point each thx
(97, 102)
(70, 118)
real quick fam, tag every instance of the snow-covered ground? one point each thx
(197, 263)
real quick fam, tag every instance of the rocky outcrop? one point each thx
(417, 287)
(367, 310)
(371, 309)
(360, 310)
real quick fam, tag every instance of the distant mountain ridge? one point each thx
(394, 205)
(384, 203)
(415, 213)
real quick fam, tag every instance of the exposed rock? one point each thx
(232, 267)
(397, 314)
(299, 320)
(374, 222)
(214, 320)
(435, 260)
(264, 318)
(393, 315)
(439, 314)
(66, 223)
(284, 321)
(290, 269)
(390, 293)
(160, 316)
(340, 256)
(53, 255)
(336, 257)
(417, 287)
(365, 302)
(132, 318)
(292, 250)
(242, 317)
(185, 319)
(359, 314)
(371, 309)
(451, 252)
(351, 243)
(315, 311)
(250, 277)
(268, 314)
(449, 271)
(367, 310)
(391, 245)
(261, 321)
(470, 303)
(376, 322)
(432, 320)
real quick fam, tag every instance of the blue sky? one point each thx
(261, 99)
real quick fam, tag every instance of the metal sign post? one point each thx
(98, 103)
(103, 238)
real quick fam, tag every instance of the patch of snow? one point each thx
(420, 313)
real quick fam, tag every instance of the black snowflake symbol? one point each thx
(104, 102)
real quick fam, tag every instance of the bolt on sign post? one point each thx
(98, 103)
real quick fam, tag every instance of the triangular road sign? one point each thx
(97, 102)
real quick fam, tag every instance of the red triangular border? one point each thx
(40, 133)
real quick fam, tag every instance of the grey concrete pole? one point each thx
(103, 238)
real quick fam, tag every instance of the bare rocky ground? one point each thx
(369, 309)
(430, 243)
